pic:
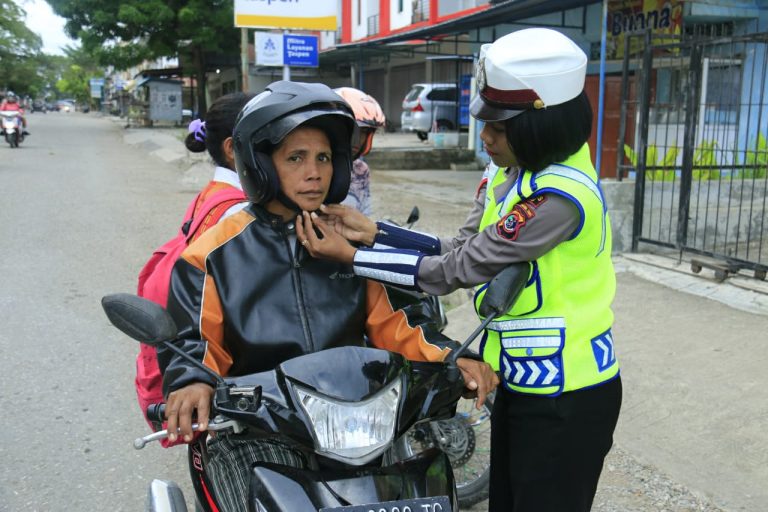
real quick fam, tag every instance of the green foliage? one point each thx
(75, 83)
(126, 32)
(22, 64)
(115, 33)
(759, 158)
(704, 160)
(654, 159)
(75, 74)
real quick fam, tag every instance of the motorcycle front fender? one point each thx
(165, 496)
(284, 489)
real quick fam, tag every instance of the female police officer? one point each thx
(553, 419)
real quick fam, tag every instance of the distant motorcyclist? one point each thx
(11, 104)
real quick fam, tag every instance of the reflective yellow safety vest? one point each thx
(557, 336)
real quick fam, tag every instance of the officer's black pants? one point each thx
(547, 453)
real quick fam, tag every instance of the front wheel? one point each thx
(14, 140)
(422, 135)
(466, 439)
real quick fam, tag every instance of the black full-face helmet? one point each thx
(269, 117)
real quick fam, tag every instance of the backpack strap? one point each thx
(189, 214)
(231, 195)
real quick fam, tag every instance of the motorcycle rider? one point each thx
(11, 104)
(247, 296)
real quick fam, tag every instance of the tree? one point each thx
(20, 57)
(75, 75)
(124, 33)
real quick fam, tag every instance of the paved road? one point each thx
(79, 212)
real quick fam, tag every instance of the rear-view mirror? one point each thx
(504, 289)
(139, 318)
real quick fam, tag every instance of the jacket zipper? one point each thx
(295, 273)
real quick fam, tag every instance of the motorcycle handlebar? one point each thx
(156, 413)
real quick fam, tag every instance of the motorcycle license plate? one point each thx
(436, 504)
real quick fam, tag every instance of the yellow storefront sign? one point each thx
(286, 14)
(632, 17)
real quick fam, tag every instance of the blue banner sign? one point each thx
(300, 51)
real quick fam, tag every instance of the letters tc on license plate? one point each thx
(436, 504)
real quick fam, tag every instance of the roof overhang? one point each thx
(147, 79)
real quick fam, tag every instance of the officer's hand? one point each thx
(350, 223)
(478, 377)
(332, 246)
(182, 404)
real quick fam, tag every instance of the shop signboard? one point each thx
(287, 14)
(634, 17)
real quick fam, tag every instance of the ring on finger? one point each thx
(305, 243)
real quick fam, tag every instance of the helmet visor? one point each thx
(484, 111)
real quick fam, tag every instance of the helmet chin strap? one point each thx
(287, 202)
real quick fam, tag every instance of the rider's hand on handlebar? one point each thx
(181, 406)
(350, 223)
(478, 377)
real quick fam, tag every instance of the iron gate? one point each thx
(696, 140)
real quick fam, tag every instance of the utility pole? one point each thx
(244, 57)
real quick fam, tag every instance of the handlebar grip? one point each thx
(156, 413)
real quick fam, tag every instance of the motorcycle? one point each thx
(466, 437)
(12, 127)
(347, 409)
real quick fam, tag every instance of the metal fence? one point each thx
(695, 138)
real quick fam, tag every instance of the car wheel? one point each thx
(422, 135)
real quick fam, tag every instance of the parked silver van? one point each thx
(430, 106)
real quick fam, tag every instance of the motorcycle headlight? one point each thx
(354, 432)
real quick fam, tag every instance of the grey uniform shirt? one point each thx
(475, 257)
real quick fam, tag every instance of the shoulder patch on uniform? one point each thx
(509, 227)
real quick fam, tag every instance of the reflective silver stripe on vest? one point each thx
(573, 174)
(532, 342)
(383, 275)
(527, 323)
(385, 258)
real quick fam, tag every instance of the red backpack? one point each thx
(155, 280)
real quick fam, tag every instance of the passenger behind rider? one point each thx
(215, 136)
(11, 104)
(220, 198)
(369, 117)
(247, 296)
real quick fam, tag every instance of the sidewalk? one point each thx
(693, 370)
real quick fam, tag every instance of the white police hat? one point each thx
(529, 69)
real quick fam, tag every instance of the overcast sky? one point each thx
(42, 20)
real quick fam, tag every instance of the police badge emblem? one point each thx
(480, 75)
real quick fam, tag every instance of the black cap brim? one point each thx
(482, 111)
